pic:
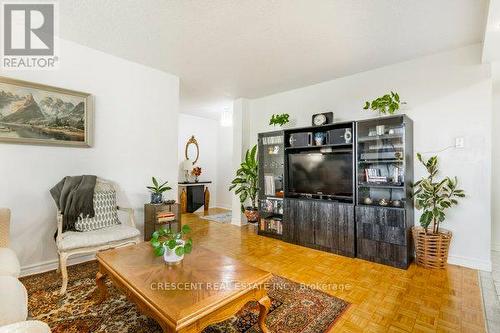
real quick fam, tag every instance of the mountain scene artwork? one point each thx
(32, 113)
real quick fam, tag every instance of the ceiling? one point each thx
(225, 49)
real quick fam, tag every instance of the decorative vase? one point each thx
(252, 214)
(170, 257)
(431, 249)
(196, 179)
(319, 138)
(156, 198)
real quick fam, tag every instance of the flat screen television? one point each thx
(325, 174)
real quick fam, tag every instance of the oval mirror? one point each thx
(192, 151)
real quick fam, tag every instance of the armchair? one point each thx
(13, 295)
(9, 265)
(96, 239)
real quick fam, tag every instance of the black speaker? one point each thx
(339, 136)
(301, 139)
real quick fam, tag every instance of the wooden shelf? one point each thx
(341, 145)
(381, 185)
(379, 161)
(270, 234)
(380, 137)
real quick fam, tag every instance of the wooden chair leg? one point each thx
(63, 257)
(58, 270)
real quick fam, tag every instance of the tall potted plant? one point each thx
(433, 197)
(245, 184)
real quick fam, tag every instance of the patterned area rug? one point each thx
(294, 309)
(221, 218)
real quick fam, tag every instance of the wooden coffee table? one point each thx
(204, 289)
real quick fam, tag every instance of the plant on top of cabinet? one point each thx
(434, 197)
(245, 183)
(157, 190)
(279, 119)
(389, 103)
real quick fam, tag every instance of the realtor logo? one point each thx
(28, 36)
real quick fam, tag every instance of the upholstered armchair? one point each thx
(13, 294)
(102, 232)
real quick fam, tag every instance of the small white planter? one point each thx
(170, 257)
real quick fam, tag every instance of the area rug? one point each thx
(221, 218)
(294, 308)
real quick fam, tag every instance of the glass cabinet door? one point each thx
(381, 162)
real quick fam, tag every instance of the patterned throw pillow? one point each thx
(105, 212)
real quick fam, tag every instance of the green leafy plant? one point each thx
(435, 196)
(388, 103)
(279, 119)
(157, 188)
(245, 183)
(166, 238)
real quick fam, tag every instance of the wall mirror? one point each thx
(192, 151)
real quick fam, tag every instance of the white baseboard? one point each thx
(51, 265)
(222, 206)
(482, 265)
(495, 247)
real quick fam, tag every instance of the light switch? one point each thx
(460, 142)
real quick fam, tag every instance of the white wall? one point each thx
(495, 184)
(224, 166)
(136, 111)
(206, 133)
(449, 95)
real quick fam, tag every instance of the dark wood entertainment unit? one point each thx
(342, 188)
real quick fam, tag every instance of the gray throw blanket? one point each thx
(74, 195)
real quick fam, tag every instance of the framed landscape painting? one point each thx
(33, 113)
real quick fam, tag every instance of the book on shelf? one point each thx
(163, 217)
(374, 176)
(272, 225)
(269, 186)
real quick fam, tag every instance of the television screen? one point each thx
(320, 174)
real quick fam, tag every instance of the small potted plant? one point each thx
(171, 245)
(279, 119)
(433, 197)
(245, 184)
(157, 191)
(389, 103)
(196, 172)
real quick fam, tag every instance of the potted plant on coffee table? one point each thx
(433, 197)
(157, 191)
(171, 245)
(245, 185)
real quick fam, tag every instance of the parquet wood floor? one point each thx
(384, 299)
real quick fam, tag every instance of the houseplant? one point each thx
(279, 119)
(171, 245)
(389, 103)
(245, 184)
(157, 190)
(433, 197)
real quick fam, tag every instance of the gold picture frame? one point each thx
(38, 114)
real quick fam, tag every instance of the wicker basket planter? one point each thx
(431, 249)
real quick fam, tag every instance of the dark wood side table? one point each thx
(151, 212)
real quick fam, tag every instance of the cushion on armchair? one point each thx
(74, 239)
(9, 264)
(105, 209)
(13, 301)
